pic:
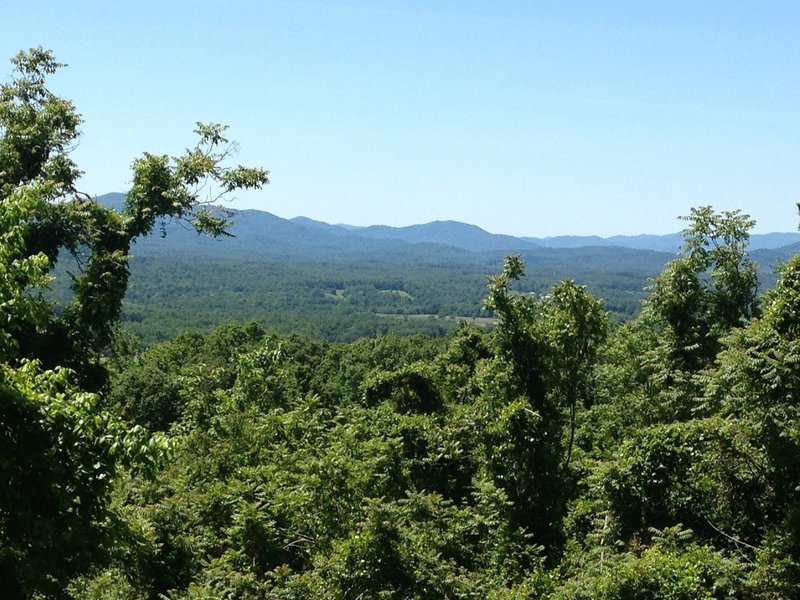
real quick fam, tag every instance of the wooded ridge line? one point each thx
(251, 225)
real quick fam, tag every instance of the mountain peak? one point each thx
(455, 234)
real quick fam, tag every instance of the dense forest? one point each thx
(559, 455)
(345, 291)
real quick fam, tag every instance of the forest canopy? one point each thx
(557, 456)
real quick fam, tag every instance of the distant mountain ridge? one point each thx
(253, 225)
(339, 281)
(449, 233)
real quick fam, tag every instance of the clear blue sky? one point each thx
(526, 118)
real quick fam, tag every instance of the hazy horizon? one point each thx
(290, 216)
(525, 119)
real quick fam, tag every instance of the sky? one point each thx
(523, 117)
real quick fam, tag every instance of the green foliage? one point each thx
(169, 187)
(410, 390)
(694, 425)
(542, 370)
(556, 456)
(758, 380)
(540, 460)
(710, 289)
(22, 276)
(61, 451)
(59, 457)
(336, 298)
(664, 574)
(37, 130)
(704, 473)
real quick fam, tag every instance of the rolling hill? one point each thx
(340, 282)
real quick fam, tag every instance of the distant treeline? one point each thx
(344, 298)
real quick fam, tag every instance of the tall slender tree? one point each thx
(59, 451)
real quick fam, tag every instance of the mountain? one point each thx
(449, 233)
(113, 200)
(771, 241)
(767, 257)
(338, 230)
(259, 232)
(341, 282)
(660, 243)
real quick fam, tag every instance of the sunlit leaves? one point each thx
(22, 277)
(709, 289)
(37, 129)
(60, 450)
(187, 186)
(60, 454)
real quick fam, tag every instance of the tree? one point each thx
(37, 131)
(575, 324)
(758, 383)
(542, 370)
(60, 451)
(709, 289)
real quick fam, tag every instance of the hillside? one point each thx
(341, 283)
(258, 231)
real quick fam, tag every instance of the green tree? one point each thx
(37, 131)
(758, 382)
(59, 453)
(37, 128)
(60, 450)
(542, 369)
(574, 325)
(708, 290)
